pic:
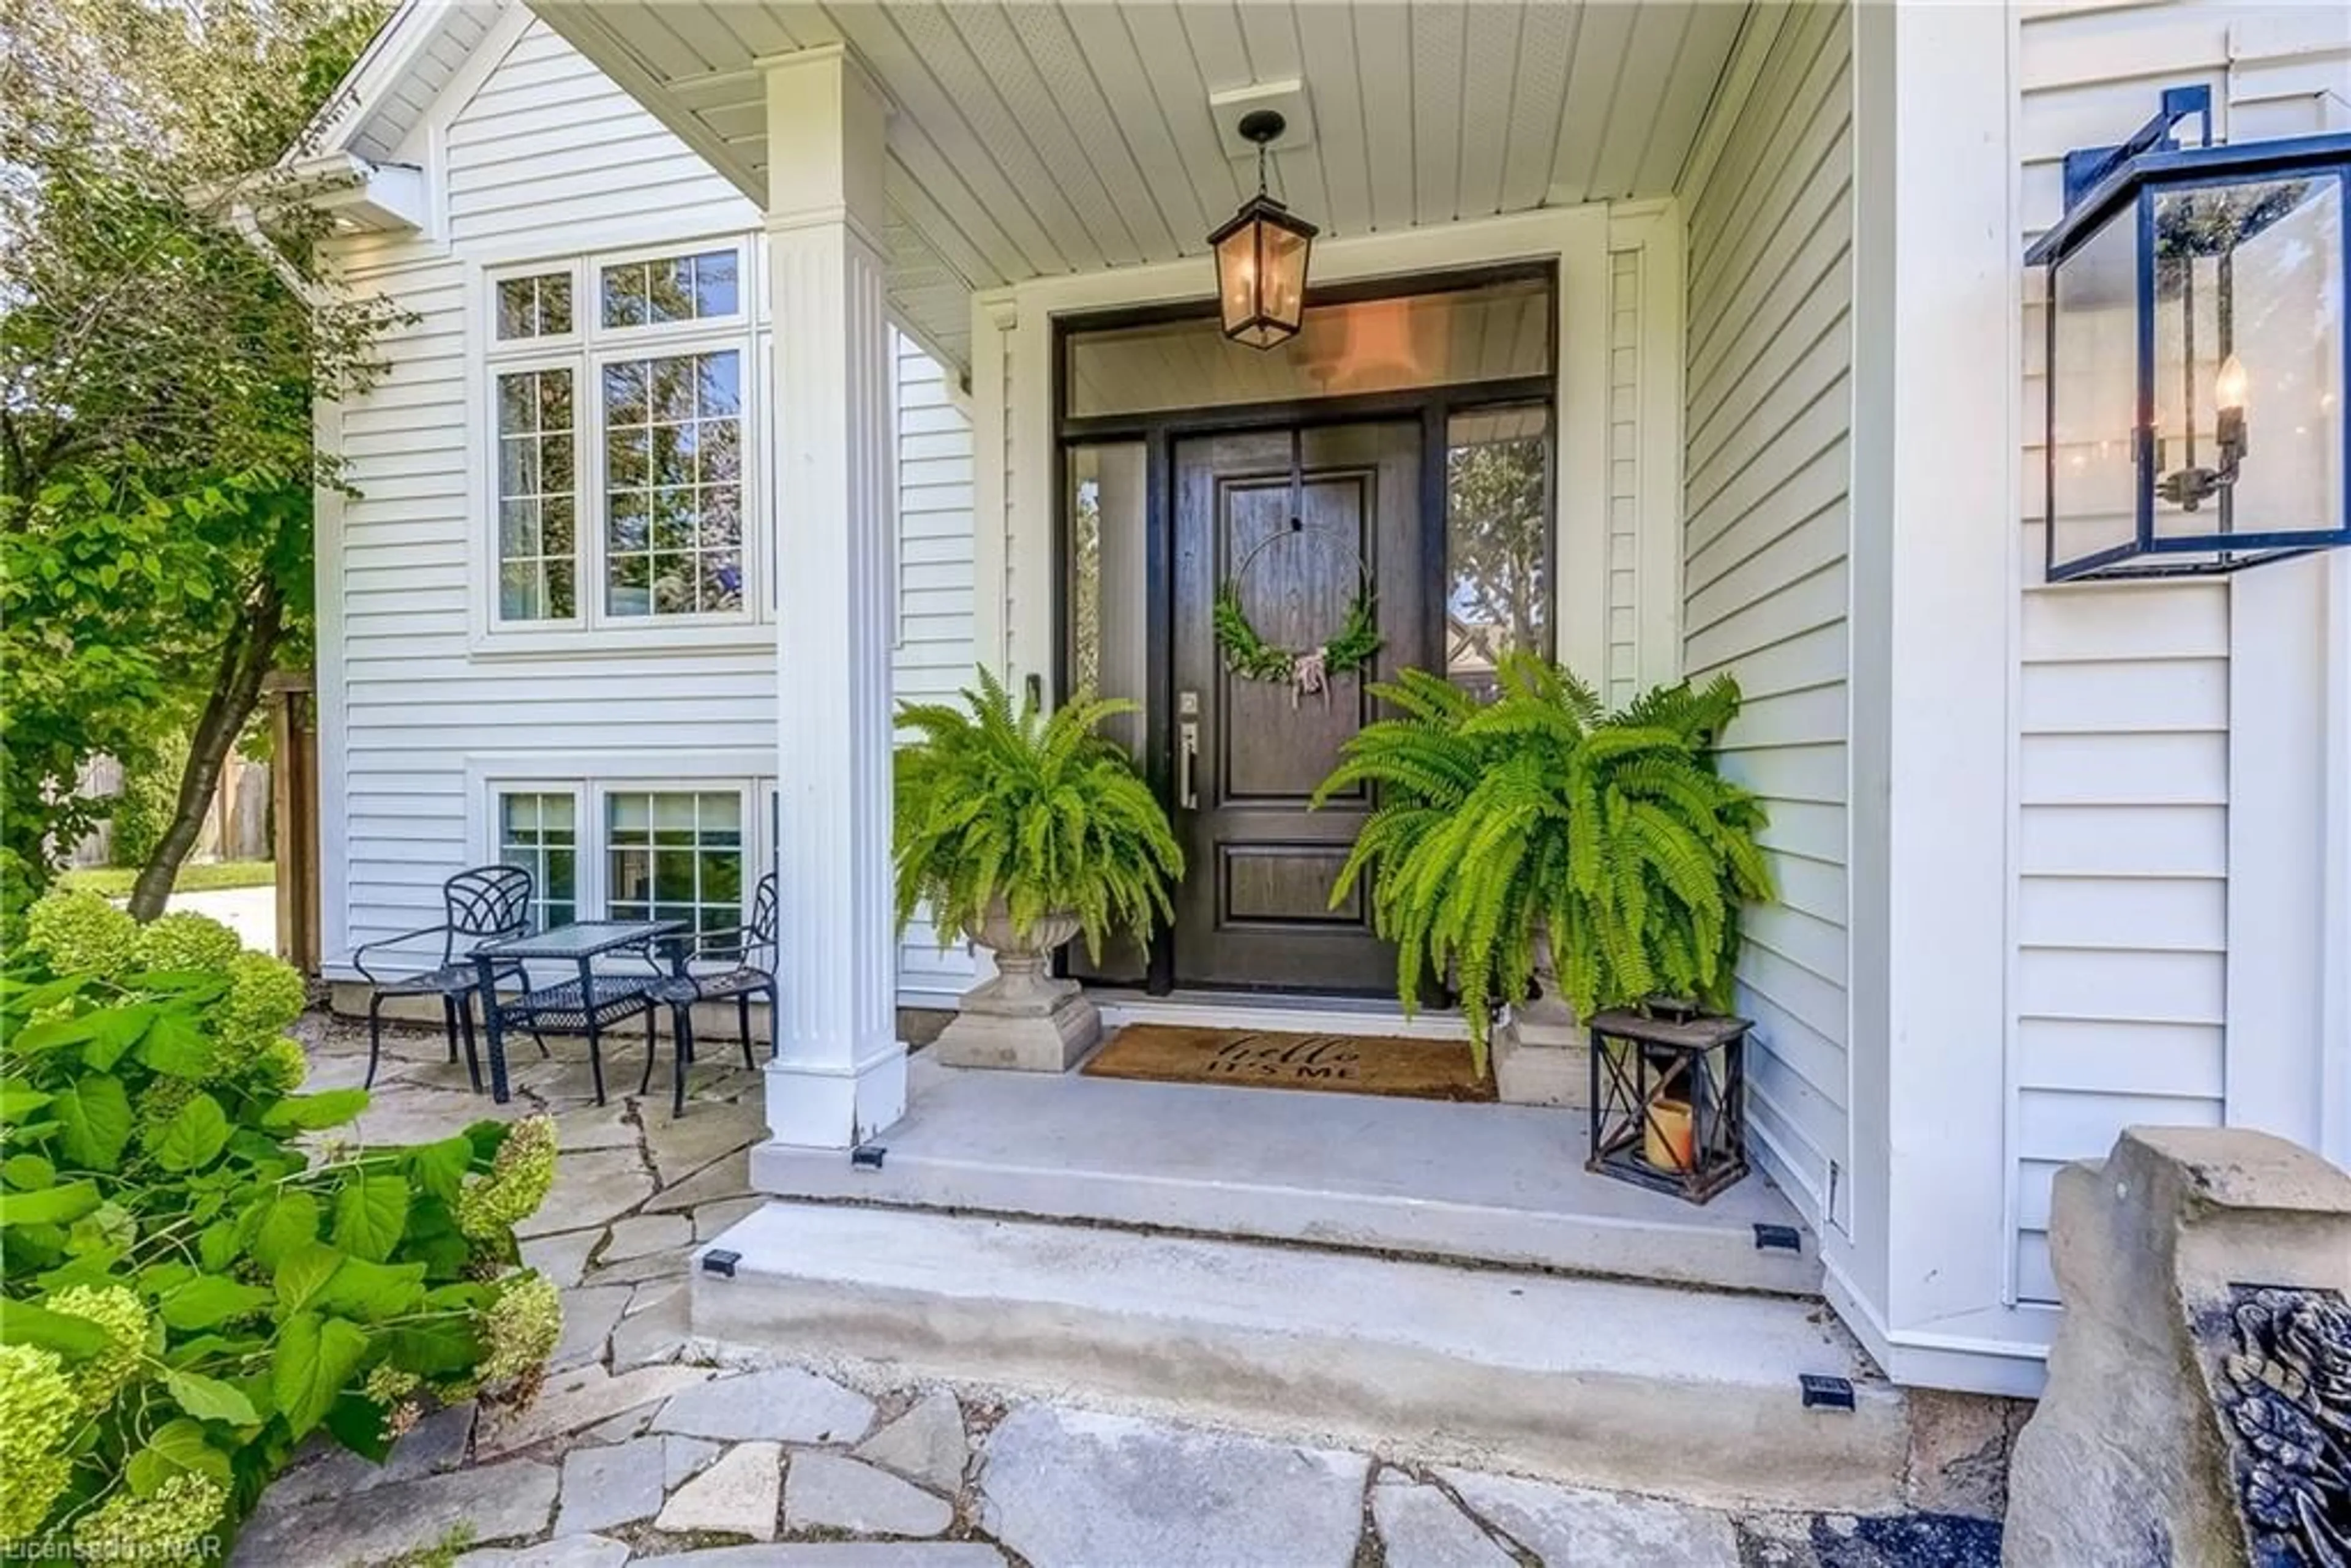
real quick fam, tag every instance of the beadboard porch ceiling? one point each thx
(1033, 138)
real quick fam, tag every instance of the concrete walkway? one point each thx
(635, 1454)
(250, 912)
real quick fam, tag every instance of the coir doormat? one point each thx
(1267, 1059)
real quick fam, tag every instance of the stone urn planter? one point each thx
(1025, 1018)
(1541, 1054)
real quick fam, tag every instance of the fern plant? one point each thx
(1040, 812)
(1612, 832)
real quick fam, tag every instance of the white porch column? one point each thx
(839, 1070)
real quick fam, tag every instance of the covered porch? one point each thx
(1686, 194)
(1030, 191)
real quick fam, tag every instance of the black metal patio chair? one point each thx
(752, 949)
(480, 905)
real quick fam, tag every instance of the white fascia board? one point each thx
(385, 61)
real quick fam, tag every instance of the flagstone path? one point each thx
(632, 1454)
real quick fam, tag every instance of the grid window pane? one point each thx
(673, 485)
(536, 577)
(676, 856)
(539, 833)
(693, 288)
(537, 307)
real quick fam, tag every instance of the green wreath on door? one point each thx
(1305, 671)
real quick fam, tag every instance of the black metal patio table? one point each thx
(586, 1003)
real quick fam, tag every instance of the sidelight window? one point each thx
(1498, 541)
(1106, 650)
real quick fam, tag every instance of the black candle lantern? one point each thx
(2195, 353)
(1261, 254)
(1669, 1099)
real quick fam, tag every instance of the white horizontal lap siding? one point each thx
(546, 156)
(1767, 524)
(549, 148)
(935, 650)
(2122, 897)
(2123, 699)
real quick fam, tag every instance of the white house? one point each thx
(763, 349)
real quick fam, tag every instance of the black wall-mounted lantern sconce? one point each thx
(2193, 293)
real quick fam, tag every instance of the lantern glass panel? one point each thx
(2250, 271)
(2093, 393)
(1282, 298)
(1236, 273)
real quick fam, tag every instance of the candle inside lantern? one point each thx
(1665, 1136)
(2229, 387)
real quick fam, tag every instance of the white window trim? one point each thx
(591, 630)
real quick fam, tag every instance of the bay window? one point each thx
(620, 475)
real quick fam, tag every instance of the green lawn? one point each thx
(115, 881)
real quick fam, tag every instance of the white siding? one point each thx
(935, 651)
(1766, 475)
(546, 155)
(2122, 1006)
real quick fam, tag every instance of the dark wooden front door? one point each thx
(1254, 908)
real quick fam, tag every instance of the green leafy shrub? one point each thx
(1043, 814)
(1540, 811)
(193, 1280)
(150, 793)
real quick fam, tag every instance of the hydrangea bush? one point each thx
(192, 1279)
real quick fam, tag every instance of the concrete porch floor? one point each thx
(1495, 1183)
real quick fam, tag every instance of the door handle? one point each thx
(1187, 751)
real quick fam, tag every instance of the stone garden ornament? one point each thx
(2287, 1391)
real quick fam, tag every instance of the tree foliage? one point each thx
(193, 1276)
(1042, 814)
(1498, 533)
(1541, 811)
(163, 331)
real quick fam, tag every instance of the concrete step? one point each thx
(1676, 1392)
(1488, 1183)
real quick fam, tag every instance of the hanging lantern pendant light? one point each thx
(1261, 254)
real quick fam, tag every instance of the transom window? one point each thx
(538, 305)
(620, 476)
(675, 855)
(670, 289)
